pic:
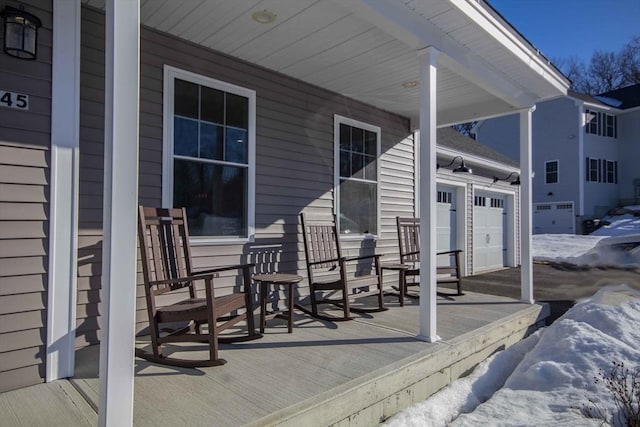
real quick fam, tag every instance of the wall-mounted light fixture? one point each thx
(460, 169)
(514, 182)
(20, 33)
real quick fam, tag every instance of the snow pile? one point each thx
(465, 394)
(614, 245)
(560, 247)
(622, 221)
(554, 380)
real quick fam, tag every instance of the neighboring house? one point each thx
(309, 107)
(585, 156)
(476, 212)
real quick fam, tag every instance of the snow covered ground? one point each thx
(610, 245)
(546, 379)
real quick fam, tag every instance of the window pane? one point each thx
(370, 169)
(237, 111)
(185, 99)
(357, 165)
(370, 143)
(552, 166)
(185, 137)
(212, 105)
(345, 163)
(210, 141)
(236, 146)
(357, 207)
(214, 195)
(357, 140)
(345, 137)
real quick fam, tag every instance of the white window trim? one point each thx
(170, 74)
(337, 121)
(557, 171)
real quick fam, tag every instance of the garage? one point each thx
(553, 218)
(489, 231)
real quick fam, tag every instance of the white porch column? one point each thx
(63, 219)
(526, 260)
(427, 203)
(122, 76)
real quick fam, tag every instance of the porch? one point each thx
(349, 373)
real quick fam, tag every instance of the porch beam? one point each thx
(122, 76)
(410, 27)
(63, 217)
(526, 206)
(427, 197)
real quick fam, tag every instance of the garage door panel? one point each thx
(553, 218)
(445, 223)
(489, 247)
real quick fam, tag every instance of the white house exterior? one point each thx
(110, 101)
(585, 153)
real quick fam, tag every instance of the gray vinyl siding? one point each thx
(294, 161)
(24, 194)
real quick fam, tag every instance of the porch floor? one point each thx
(344, 373)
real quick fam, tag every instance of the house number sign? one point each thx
(14, 100)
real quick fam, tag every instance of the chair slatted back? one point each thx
(409, 239)
(164, 245)
(321, 245)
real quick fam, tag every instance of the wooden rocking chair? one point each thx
(409, 245)
(323, 255)
(166, 266)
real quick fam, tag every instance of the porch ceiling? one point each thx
(367, 49)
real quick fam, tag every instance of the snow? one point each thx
(548, 378)
(610, 245)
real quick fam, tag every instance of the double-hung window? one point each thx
(551, 172)
(209, 154)
(357, 149)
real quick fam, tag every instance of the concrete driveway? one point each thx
(558, 284)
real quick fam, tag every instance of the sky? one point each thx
(566, 28)
(545, 379)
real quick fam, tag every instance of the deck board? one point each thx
(274, 379)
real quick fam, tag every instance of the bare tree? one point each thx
(466, 129)
(606, 71)
(630, 61)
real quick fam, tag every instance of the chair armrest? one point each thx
(326, 261)
(449, 252)
(356, 258)
(223, 268)
(190, 278)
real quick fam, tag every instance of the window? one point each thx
(592, 122)
(444, 197)
(480, 201)
(497, 203)
(357, 148)
(551, 172)
(600, 170)
(603, 124)
(612, 172)
(209, 154)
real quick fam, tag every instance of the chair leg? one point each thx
(248, 301)
(314, 302)
(345, 300)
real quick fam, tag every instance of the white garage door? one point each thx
(489, 242)
(445, 222)
(553, 218)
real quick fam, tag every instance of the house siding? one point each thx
(294, 161)
(25, 137)
(629, 141)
